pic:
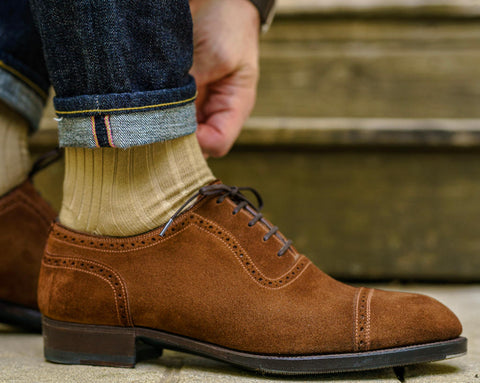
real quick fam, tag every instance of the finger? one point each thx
(224, 116)
(199, 102)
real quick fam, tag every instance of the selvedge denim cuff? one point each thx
(16, 91)
(126, 119)
(127, 129)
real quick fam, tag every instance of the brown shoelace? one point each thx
(236, 195)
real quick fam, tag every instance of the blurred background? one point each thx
(365, 140)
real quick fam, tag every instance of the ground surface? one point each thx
(21, 358)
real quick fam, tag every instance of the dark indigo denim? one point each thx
(20, 46)
(116, 56)
(24, 79)
(119, 68)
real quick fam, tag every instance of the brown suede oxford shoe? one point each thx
(220, 281)
(25, 218)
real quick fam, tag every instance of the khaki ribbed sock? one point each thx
(123, 192)
(14, 156)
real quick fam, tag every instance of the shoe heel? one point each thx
(72, 343)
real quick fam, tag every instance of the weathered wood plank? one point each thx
(371, 214)
(396, 7)
(320, 67)
(425, 133)
(414, 32)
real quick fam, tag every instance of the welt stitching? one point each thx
(96, 275)
(120, 279)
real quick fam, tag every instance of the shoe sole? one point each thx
(19, 316)
(72, 343)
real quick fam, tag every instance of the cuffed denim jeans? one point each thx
(119, 68)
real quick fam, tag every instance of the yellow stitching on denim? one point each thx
(24, 79)
(109, 131)
(94, 132)
(125, 109)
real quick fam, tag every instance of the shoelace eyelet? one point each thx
(236, 196)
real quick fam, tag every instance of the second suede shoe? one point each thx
(25, 219)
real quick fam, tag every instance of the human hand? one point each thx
(225, 67)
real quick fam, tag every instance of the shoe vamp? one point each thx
(250, 238)
(201, 290)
